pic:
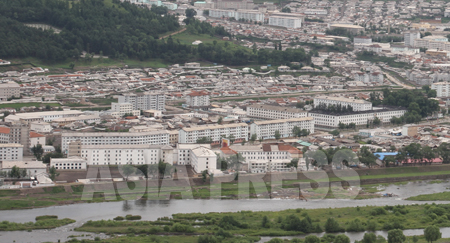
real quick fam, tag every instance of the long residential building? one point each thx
(214, 132)
(145, 101)
(124, 154)
(114, 138)
(252, 15)
(358, 105)
(46, 116)
(267, 129)
(331, 120)
(289, 21)
(275, 112)
(9, 90)
(442, 89)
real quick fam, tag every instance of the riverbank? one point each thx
(268, 186)
(291, 222)
(42, 222)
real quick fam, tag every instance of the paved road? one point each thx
(395, 80)
(174, 33)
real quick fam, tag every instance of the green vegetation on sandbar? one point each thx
(442, 196)
(283, 223)
(42, 222)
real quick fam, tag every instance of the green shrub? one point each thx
(378, 211)
(46, 217)
(132, 217)
(119, 218)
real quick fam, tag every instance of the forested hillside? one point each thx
(119, 30)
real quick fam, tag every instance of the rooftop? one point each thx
(284, 120)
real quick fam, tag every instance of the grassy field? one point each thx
(20, 105)
(103, 101)
(443, 196)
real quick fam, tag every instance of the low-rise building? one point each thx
(46, 116)
(41, 127)
(267, 129)
(71, 163)
(33, 168)
(357, 105)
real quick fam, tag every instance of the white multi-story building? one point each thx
(145, 101)
(442, 89)
(433, 42)
(46, 116)
(115, 138)
(275, 112)
(121, 109)
(376, 77)
(9, 90)
(11, 152)
(315, 12)
(40, 126)
(198, 99)
(287, 21)
(214, 132)
(358, 105)
(410, 37)
(33, 168)
(71, 163)
(199, 156)
(36, 138)
(330, 120)
(362, 40)
(124, 154)
(252, 15)
(267, 129)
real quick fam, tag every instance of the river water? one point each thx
(151, 210)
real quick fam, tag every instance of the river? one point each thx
(151, 210)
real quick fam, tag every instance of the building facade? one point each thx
(357, 105)
(285, 21)
(11, 152)
(410, 37)
(214, 132)
(198, 99)
(442, 89)
(267, 129)
(145, 101)
(9, 90)
(275, 112)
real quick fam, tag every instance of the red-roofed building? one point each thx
(36, 138)
(198, 99)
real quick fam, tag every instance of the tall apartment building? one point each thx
(198, 99)
(442, 89)
(358, 105)
(234, 4)
(114, 138)
(330, 120)
(20, 134)
(252, 15)
(11, 152)
(215, 132)
(267, 129)
(9, 90)
(287, 20)
(145, 101)
(124, 154)
(275, 112)
(199, 156)
(410, 37)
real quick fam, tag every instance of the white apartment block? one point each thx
(46, 116)
(120, 109)
(9, 90)
(11, 152)
(442, 89)
(328, 120)
(358, 105)
(145, 101)
(275, 112)
(71, 163)
(115, 138)
(289, 22)
(215, 132)
(369, 77)
(315, 12)
(125, 154)
(410, 37)
(41, 127)
(199, 156)
(362, 40)
(252, 15)
(267, 129)
(198, 99)
(433, 42)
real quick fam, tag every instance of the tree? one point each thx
(341, 239)
(293, 163)
(204, 175)
(335, 133)
(366, 157)
(432, 233)
(14, 172)
(253, 137)
(396, 236)
(376, 121)
(235, 160)
(369, 238)
(164, 168)
(415, 239)
(265, 222)
(220, 120)
(277, 134)
(332, 226)
(52, 173)
(38, 151)
(444, 151)
(286, 10)
(190, 13)
(127, 170)
(312, 239)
